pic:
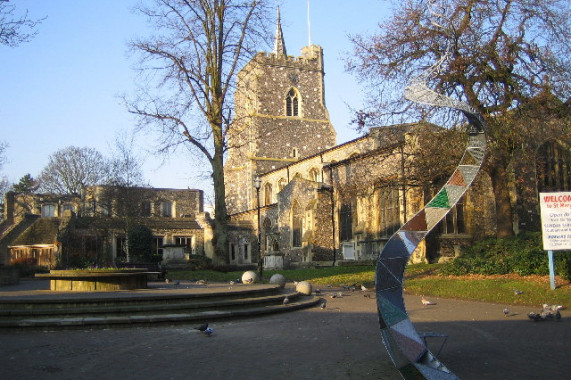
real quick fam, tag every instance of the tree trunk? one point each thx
(221, 219)
(504, 216)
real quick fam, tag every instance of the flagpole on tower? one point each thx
(308, 24)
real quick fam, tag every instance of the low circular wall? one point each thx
(96, 280)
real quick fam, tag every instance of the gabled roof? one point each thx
(43, 231)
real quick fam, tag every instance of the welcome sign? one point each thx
(556, 220)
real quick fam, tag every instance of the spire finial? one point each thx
(279, 44)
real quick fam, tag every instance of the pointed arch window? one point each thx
(281, 184)
(297, 217)
(314, 175)
(292, 103)
(346, 221)
(267, 194)
(389, 211)
(553, 167)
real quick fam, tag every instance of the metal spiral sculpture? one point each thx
(405, 346)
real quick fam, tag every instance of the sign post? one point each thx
(555, 226)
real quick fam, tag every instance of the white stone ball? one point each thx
(278, 279)
(249, 277)
(303, 287)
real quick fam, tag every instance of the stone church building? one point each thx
(320, 202)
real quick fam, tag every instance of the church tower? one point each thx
(280, 117)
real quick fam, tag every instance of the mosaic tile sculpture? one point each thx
(407, 349)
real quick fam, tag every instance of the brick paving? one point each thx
(341, 341)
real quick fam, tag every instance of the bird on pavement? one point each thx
(286, 301)
(517, 292)
(364, 288)
(168, 280)
(202, 327)
(506, 312)
(324, 304)
(426, 302)
(208, 331)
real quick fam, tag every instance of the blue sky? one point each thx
(62, 88)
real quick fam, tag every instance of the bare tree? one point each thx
(501, 55)
(192, 64)
(15, 29)
(72, 169)
(126, 189)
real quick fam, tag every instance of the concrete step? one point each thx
(47, 309)
(154, 318)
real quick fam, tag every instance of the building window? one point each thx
(246, 252)
(281, 184)
(184, 241)
(314, 175)
(297, 216)
(389, 211)
(292, 103)
(121, 250)
(454, 222)
(48, 211)
(166, 209)
(157, 245)
(553, 168)
(267, 194)
(232, 252)
(68, 207)
(346, 222)
(146, 208)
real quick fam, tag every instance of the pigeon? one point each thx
(506, 312)
(168, 280)
(208, 331)
(232, 282)
(201, 282)
(367, 295)
(177, 283)
(517, 292)
(203, 327)
(324, 304)
(426, 302)
(286, 300)
(317, 292)
(364, 288)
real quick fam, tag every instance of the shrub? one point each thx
(199, 262)
(522, 254)
(27, 266)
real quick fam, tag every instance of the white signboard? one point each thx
(556, 220)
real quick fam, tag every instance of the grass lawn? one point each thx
(420, 279)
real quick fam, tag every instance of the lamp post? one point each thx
(257, 185)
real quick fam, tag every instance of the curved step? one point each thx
(118, 320)
(47, 309)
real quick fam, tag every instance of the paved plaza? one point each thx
(341, 341)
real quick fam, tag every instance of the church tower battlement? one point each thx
(280, 117)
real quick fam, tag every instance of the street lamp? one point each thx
(257, 185)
